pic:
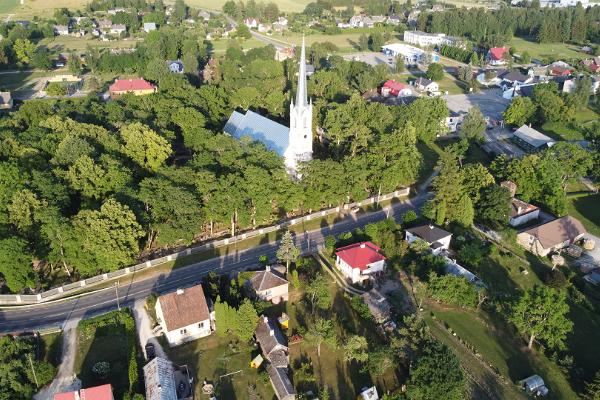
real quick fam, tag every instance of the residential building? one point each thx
(275, 350)
(137, 86)
(118, 29)
(159, 378)
(102, 392)
(175, 66)
(425, 39)
(560, 71)
(497, 55)
(455, 120)
(269, 285)
(105, 24)
(6, 101)
(491, 77)
(436, 238)
(394, 19)
(412, 55)
(426, 85)
(396, 89)
(522, 212)
(453, 268)
(184, 315)
(554, 235)
(205, 15)
(284, 53)
(149, 27)
(530, 139)
(294, 144)
(513, 78)
(369, 394)
(251, 23)
(360, 261)
(61, 30)
(592, 64)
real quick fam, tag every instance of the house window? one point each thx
(201, 325)
(268, 293)
(183, 331)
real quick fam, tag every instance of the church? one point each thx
(294, 144)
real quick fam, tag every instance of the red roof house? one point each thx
(137, 86)
(102, 392)
(359, 261)
(496, 55)
(560, 71)
(396, 89)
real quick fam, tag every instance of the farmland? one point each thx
(545, 50)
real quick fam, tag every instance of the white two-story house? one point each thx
(360, 261)
(184, 315)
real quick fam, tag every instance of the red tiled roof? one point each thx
(395, 87)
(498, 52)
(558, 71)
(130, 85)
(360, 255)
(103, 392)
(66, 396)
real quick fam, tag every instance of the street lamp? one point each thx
(117, 293)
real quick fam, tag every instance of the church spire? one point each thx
(301, 97)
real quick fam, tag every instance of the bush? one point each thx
(555, 279)
(56, 89)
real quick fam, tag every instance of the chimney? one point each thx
(271, 332)
(180, 291)
(519, 210)
(266, 319)
(431, 226)
(268, 268)
(363, 245)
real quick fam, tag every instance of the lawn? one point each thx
(64, 44)
(212, 357)
(346, 42)
(8, 6)
(571, 130)
(586, 208)
(20, 80)
(431, 154)
(221, 45)
(545, 50)
(509, 356)
(108, 338)
(51, 350)
(38, 7)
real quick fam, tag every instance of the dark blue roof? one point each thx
(272, 134)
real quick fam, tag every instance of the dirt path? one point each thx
(144, 329)
(65, 380)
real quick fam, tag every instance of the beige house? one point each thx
(551, 236)
(6, 101)
(269, 285)
(184, 315)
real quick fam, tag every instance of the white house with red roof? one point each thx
(497, 55)
(396, 89)
(102, 392)
(360, 261)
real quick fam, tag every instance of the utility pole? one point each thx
(33, 370)
(117, 293)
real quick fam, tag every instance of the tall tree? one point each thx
(287, 250)
(521, 110)
(144, 146)
(540, 313)
(321, 332)
(356, 348)
(473, 126)
(16, 264)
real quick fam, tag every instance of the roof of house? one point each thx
(423, 81)
(266, 280)
(496, 53)
(533, 137)
(360, 255)
(272, 134)
(159, 378)
(519, 207)
(526, 90)
(513, 76)
(560, 71)
(281, 382)
(61, 27)
(103, 392)
(393, 85)
(269, 336)
(429, 233)
(557, 231)
(120, 27)
(66, 396)
(129, 85)
(149, 26)
(184, 307)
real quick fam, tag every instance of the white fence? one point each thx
(75, 287)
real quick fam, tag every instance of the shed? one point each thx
(531, 139)
(534, 385)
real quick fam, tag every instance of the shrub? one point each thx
(56, 89)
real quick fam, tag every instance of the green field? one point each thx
(284, 5)
(586, 208)
(8, 6)
(545, 50)
(571, 130)
(64, 44)
(42, 8)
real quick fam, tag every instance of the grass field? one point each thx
(20, 80)
(8, 6)
(586, 208)
(62, 44)
(571, 131)
(545, 50)
(284, 5)
(43, 8)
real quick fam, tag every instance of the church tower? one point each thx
(300, 136)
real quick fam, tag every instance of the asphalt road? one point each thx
(56, 313)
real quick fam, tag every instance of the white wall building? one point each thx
(184, 315)
(437, 238)
(360, 261)
(412, 55)
(425, 39)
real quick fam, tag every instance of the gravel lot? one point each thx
(490, 102)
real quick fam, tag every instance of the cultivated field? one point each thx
(284, 5)
(545, 50)
(37, 7)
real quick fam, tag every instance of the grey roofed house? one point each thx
(526, 90)
(159, 378)
(175, 66)
(284, 390)
(514, 76)
(265, 280)
(272, 342)
(423, 82)
(429, 233)
(274, 135)
(531, 138)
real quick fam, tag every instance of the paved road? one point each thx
(55, 314)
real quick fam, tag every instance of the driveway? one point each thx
(144, 329)
(591, 258)
(490, 102)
